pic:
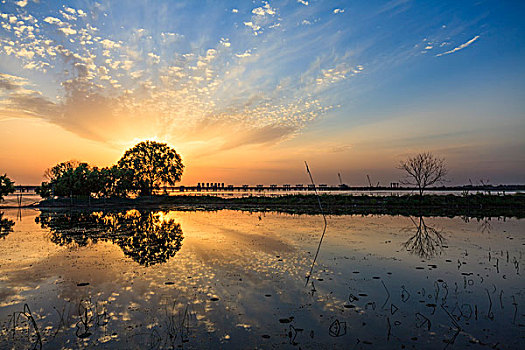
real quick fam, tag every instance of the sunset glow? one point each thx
(247, 91)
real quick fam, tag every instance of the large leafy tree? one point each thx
(6, 186)
(153, 164)
(54, 173)
(71, 178)
(115, 182)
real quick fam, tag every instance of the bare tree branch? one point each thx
(423, 170)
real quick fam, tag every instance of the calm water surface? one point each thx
(230, 279)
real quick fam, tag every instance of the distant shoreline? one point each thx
(474, 205)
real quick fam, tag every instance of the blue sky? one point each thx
(247, 90)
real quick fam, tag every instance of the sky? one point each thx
(247, 91)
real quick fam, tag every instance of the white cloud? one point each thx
(252, 25)
(340, 72)
(52, 20)
(21, 3)
(264, 10)
(336, 11)
(67, 31)
(127, 65)
(305, 3)
(109, 44)
(235, 10)
(68, 16)
(137, 74)
(244, 54)
(460, 47)
(225, 42)
(229, 84)
(23, 52)
(70, 10)
(263, 17)
(155, 59)
(168, 38)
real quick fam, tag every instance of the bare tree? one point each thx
(426, 242)
(423, 170)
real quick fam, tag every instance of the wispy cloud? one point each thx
(263, 75)
(460, 47)
(121, 84)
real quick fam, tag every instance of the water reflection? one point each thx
(144, 236)
(426, 241)
(6, 226)
(239, 279)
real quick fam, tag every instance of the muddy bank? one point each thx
(477, 205)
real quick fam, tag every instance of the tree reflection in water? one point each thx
(144, 236)
(6, 225)
(426, 242)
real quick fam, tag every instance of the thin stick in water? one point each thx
(324, 228)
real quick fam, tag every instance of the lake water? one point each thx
(231, 279)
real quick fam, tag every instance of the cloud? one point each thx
(155, 59)
(245, 54)
(252, 25)
(109, 44)
(18, 98)
(21, 3)
(305, 3)
(52, 20)
(338, 73)
(396, 6)
(336, 11)
(262, 17)
(137, 82)
(169, 38)
(67, 31)
(266, 9)
(10, 82)
(265, 135)
(460, 47)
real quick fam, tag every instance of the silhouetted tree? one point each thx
(77, 181)
(6, 186)
(6, 226)
(44, 190)
(115, 182)
(423, 170)
(153, 164)
(67, 179)
(58, 170)
(72, 178)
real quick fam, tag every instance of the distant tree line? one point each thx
(142, 170)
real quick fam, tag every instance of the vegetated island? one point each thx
(136, 179)
(471, 205)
